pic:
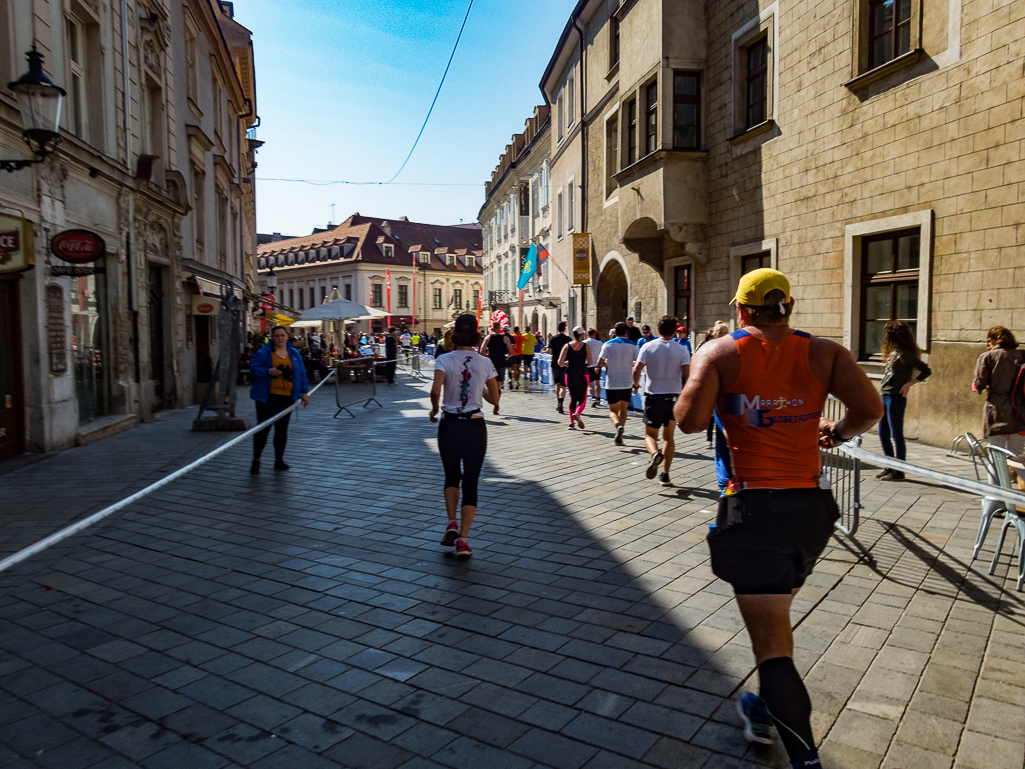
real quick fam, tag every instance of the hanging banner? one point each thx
(17, 244)
(207, 305)
(582, 258)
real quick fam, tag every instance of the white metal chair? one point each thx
(990, 507)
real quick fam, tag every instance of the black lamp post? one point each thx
(40, 101)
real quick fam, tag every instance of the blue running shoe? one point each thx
(758, 726)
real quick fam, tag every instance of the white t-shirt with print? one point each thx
(466, 374)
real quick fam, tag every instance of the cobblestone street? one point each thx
(311, 619)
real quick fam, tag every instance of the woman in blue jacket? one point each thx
(279, 379)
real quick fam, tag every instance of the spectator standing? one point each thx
(646, 336)
(995, 372)
(279, 379)
(633, 333)
(391, 354)
(444, 346)
(902, 359)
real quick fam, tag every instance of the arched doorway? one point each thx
(611, 297)
(533, 322)
(544, 325)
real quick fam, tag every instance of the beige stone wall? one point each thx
(945, 135)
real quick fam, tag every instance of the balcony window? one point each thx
(651, 118)
(686, 110)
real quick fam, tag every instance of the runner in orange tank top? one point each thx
(767, 385)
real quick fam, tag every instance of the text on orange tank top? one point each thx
(770, 415)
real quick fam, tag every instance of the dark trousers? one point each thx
(892, 425)
(275, 405)
(462, 444)
(389, 370)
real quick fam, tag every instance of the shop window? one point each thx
(686, 110)
(889, 285)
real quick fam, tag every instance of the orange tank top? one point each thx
(770, 415)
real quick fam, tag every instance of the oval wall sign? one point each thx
(205, 309)
(78, 246)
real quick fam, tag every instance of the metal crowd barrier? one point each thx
(843, 472)
(355, 384)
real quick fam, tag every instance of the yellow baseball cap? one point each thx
(756, 284)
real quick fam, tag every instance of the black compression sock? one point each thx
(560, 400)
(790, 707)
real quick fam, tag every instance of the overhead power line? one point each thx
(325, 183)
(436, 95)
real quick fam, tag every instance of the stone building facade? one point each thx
(871, 150)
(433, 268)
(156, 160)
(517, 212)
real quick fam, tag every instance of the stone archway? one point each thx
(533, 322)
(611, 296)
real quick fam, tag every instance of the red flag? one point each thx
(387, 283)
(480, 304)
(542, 256)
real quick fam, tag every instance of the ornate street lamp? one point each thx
(40, 101)
(272, 282)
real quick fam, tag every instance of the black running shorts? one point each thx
(558, 375)
(500, 370)
(658, 409)
(592, 373)
(766, 541)
(617, 396)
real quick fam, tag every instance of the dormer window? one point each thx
(425, 257)
(469, 261)
(450, 259)
(389, 250)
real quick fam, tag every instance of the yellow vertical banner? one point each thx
(582, 258)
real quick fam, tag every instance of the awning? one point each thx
(307, 324)
(209, 287)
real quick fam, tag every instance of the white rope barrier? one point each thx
(68, 531)
(944, 479)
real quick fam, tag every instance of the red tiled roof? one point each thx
(364, 236)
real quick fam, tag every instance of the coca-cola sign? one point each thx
(77, 246)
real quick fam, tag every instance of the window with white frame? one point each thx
(544, 186)
(78, 97)
(389, 250)
(469, 261)
(425, 257)
(191, 79)
(571, 100)
(561, 114)
(559, 214)
(570, 205)
(887, 276)
(450, 259)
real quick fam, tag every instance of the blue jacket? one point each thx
(263, 360)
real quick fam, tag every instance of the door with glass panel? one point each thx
(11, 406)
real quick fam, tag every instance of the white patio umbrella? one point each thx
(342, 309)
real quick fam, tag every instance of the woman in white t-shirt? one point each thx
(466, 379)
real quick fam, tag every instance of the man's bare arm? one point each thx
(696, 402)
(852, 387)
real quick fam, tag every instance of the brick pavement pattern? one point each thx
(310, 619)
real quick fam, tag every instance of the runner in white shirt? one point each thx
(618, 356)
(667, 362)
(595, 344)
(467, 380)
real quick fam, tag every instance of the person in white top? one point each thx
(406, 340)
(617, 356)
(595, 344)
(667, 362)
(467, 379)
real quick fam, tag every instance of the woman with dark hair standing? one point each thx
(996, 372)
(902, 359)
(463, 380)
(576, 359)
(279, 379)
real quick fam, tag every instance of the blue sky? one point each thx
(343, 87)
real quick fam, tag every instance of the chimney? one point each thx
(275, 237)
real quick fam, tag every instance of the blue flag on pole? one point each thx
(529, 268)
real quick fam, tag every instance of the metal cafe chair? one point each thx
(997, 458)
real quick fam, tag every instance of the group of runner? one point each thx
(766, 385)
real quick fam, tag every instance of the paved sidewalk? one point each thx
(310, 619)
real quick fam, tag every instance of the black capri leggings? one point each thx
(275, 405)
(463, 443)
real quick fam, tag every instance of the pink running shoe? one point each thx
(580, 422)
(451, 534)
(463, 549)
